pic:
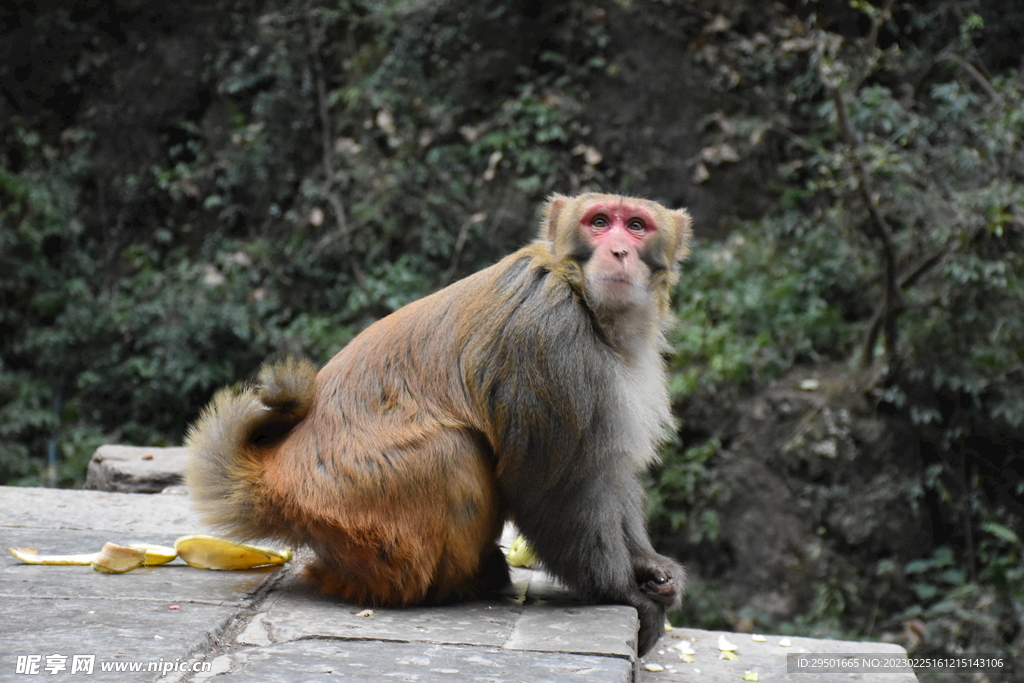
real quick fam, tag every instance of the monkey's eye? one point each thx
(600, 221)
(637, 226)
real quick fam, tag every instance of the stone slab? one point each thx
(294, 612)
(135, 469)
(40, 508)
(124, 619)
(598, 629)
(374, 662)
(249, 629)
(297, 614)
(767, 659)
(123, 631)
(124, 615)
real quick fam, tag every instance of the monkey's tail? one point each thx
(228, 441)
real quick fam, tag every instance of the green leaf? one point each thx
(1002, 532)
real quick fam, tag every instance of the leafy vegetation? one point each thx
(208, 186)
(333, 167)
(898, 247)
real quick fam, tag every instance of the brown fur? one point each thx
(512, 390)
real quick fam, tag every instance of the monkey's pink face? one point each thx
(619, 234)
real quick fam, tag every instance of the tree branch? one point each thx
(315, 36)
(460, 244)
(887, 315)
(923, 267)
(871, 42)
(879, 229)
(973, 71)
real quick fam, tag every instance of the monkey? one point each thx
(533, 389)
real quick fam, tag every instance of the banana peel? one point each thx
(210, 552)
(32, 556)
(155, 554)
(118, 559)
(204, 552)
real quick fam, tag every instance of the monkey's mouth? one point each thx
(621, 280)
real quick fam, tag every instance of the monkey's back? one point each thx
(392, 466)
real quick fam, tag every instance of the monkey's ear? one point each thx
(682, 219)
(549, 221)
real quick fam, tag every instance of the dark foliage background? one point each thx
(188, 190)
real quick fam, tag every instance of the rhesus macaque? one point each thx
(534, 388)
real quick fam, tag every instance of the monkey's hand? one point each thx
(660, 582)
(660, 579)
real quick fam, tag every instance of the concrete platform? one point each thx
(178, 623)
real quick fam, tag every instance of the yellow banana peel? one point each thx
(155, 554)
(210, 552)
(32, 556)
(205, 552)
(118, 559)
